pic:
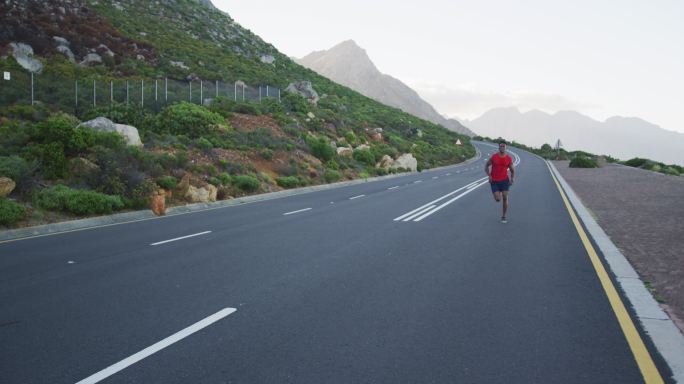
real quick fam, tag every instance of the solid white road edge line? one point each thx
(154, 348)
(395, 187)
(356, 197)
(181, 238)
(293, 212)
(436, 200)
(449, 202)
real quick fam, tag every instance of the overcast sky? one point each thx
(601, 58)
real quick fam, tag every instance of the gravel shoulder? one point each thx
(643, 214)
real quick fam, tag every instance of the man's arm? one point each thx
(512, 168)
(487, 165)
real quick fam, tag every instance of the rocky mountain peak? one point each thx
(348, 64)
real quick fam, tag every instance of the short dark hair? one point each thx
(503, 142)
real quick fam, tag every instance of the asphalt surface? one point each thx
(341, 292)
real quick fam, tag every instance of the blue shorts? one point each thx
(500, 186)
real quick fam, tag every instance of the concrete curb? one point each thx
(129, 217)
(665, 335)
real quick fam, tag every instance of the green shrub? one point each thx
(364, 156)
(331, 175)
(320, 148)
(204, 144)
(122, 113)
(11, 212)
(295, 103)
(246, 108)
(167, 182)
(79, 202)
(52, 160)
(187, 119)
(267, 154)
(246, 183)
(636, 162)
(17, 169)
(225, 179)
(290, 181)
(583, 162)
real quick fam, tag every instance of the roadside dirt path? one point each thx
(643, 214)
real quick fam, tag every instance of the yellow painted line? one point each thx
(643, 358)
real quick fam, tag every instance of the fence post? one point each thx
(31, 88)
(216, 88)
(260, 93)
(126, 92)
(155, 91)
(243, 92)
(279, 95)
(190, 90)
(94, 95)
(166, 90)
(111, 92)
(76, 95)
(235, 91)
(267, 91)
(142, 93)
(201, 92)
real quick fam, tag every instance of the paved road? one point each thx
(327, 287)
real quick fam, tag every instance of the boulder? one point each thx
(23, 54)
(91, 59)
(362, 147)
(103, 124)
(213, 192)
(179, 64)
(305, 89)
(82, 167)
(344, 151)
(376, 136)
(63, 47)
(406, 161)
(201, 195)
(158, 203)
(183, 186)
(7, 185)
(267, 59)
(386, 162)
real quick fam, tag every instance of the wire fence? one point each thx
(79, 95)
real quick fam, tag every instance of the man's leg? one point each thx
(505, 202)
(497, 196)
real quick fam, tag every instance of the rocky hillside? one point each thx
(58, 162)
(349, 64)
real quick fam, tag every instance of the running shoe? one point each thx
(503, 219)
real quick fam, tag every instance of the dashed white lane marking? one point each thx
(181, 238)
(448, 174)
(356, 197)
(105, 373)
(297, 211)
(422, 207)
(417, 181)
(435, 177)
(395, 187)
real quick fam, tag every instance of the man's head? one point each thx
(502, 147)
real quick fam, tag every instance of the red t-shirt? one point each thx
(500, 166)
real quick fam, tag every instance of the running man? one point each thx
(500, 162)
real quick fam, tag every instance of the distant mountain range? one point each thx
(348, 64)
(621, 137)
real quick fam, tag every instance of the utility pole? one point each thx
(558, 147)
